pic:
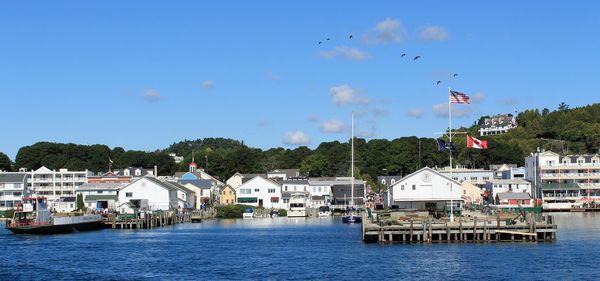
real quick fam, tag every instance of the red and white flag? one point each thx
(458, 97)
(475, 143)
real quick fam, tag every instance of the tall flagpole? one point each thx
(450, 150)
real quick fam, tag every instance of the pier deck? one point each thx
(472, 229)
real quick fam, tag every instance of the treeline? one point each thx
(563, 130)
(92, 157)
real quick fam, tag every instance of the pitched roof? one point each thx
(430, 170)
(12, 177)
(101, 186)
(203, 184)
(180, 186)
(158, 182)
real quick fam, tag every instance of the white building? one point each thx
(283, 174)
(498, 124)
(56, 184)
(427, 189)
(563, 182)
(148, 193)
(98, 196)
(493, 187)
(12, 189)
(477, 177)
(260, 192)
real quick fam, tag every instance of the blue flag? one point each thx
(443, 145)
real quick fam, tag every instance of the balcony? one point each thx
(560, 186)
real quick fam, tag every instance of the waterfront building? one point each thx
(260, 192)
(227, 195)
(110, 177)
(12, 189)
(513, 200)
(427, 189)
(100, 195)
(293, 185)
(495, 186)
(342, 193)
(564, 182)
(147, 193)
(498, 124)
(64, 204)
(320, 192)
(203, 190)
(477, 177)
(238, 179)
(56, 184)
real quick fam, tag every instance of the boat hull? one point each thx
(351, 219)
(56, 229)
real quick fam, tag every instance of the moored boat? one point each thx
(324, 211)
(297, 205)
(248, 213)
(33, 217)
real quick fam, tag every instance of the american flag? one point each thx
(458, 97)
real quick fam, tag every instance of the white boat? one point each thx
(324, 212)
(248, 213)
(350, 217)
(297, 205)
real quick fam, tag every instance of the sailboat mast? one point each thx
(352, 165)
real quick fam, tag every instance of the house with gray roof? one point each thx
(13, 186)
(100, 195)
(148, 194)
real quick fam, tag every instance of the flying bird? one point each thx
(438, 82)
(327, 39)
(455, 74)
(403, 55)
(320, 42)
(350, 37)
(417, 57)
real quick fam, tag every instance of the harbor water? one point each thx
(294, 249)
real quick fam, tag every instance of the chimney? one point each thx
(155, 171)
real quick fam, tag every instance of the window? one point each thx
(138, 172)
(16, 194)
(128, 194)
(486, 178)
(383, 181)
(414, 187)
(100, 191)
(271, 190)
(320, 190)
(230, 192)
(402, 187)
(245, 191)
(257, 190)
(126, 172)
(473, 179)
(285, 188)
(393, 181)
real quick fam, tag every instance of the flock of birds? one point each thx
(401, 56)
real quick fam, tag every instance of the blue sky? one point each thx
(144, 74)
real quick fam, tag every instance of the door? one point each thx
(260, 202)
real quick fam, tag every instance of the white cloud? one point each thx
(478, 97)
(385, 32)
(345, 52)
(296, 138)
(345, 94)
(434, 33)
(458, 111)
(152, 96)
(416, 112)
(208, 84)
(332, 126)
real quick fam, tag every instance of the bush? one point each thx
(231, 211)
(282, 212)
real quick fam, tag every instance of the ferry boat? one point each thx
(324, 211)
(33, 217)
(297, 205)
(248, 213)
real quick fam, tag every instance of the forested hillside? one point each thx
(563, 130)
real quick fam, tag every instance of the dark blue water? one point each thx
(295, 249)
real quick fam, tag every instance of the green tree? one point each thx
(80, 204)
(5, 163)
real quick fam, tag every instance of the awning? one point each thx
(274, 198)
(247, 199)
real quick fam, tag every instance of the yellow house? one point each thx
(227, 195)
(471, 193)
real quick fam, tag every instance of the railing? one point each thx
(560, 186)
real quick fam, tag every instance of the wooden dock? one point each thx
(474, 229)
(147, 220)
